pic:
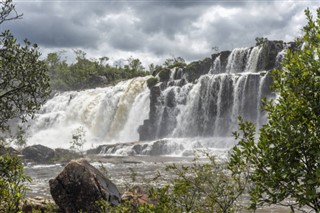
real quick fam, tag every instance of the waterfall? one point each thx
(214, 102)
(173, 111)
(237, 60)
(106, 114)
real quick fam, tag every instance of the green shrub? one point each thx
(12, 183)
(152, 82)
(164, 74)
(203, 186)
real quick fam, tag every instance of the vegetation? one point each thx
(204, 186)
(284, 160)
(261, 40)
(12, 183)
(174, 62)
(88, 73)
(152, 81)
(24, 86)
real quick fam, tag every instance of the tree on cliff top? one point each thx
(285, 160)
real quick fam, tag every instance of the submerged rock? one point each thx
(80, 185)
(38, 153)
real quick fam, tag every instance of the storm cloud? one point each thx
(155, 30)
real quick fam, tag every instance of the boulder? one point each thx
(38, 153)
(8, 150)
(63, 155)
(79, 186)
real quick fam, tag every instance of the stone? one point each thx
(9, 150)
(63, 155)
(38, 153)
(79, 186)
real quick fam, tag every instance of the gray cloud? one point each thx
(158, 29)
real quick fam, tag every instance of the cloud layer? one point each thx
(154, 30)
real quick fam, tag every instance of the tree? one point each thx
(135, 65)
(174, 62)
(23, 88)
(285, 158)
(7, 8)
(261, 40)
(24, 83)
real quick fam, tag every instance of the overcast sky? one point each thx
(153, 30)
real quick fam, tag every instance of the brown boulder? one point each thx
(79, 186)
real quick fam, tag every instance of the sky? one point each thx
(153, 30)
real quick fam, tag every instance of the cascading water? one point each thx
(106, 114)
(176, 110)
(217, 99)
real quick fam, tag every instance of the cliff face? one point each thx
(205, 97)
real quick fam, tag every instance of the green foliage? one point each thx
(88, 73)
(24, 84)
(164, 74)
(201, 187)
(12, 183)
(261, 40)
(285, 159)
(20, 139)
(174, 62)
(152, 81)
(204, 186)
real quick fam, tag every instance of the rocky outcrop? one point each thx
(267, 57)
(38, 153)
(62, 155)
(195, 69)
(146, 131)
(79, 186)
(8, 150)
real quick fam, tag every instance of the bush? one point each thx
(285, 159)
(152, 82)
(204, 186)
(12, 183)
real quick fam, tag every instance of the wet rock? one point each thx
(161, 147)
(195, 69)
(64, 155)
(267, 57)
(38, 153)
(147, 131)
(79, 186)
